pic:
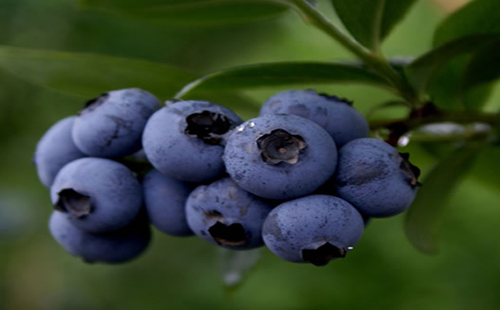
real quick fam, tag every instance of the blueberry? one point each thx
(97, 195)
(313, 229)
(55, 149)
(112, 124)
(113, 247)
(186, 139)
(376, 178)
(165, 199)
(335, 115)
(280, 156)
(224, 214)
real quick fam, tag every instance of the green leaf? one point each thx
(483, 68)
(477, 17)
(191, 12)
(422, 220)
(90, 74)
(236, 265)
(370, 21)
(446, 89)
(422, 70)
(449, 89)
(284, 73)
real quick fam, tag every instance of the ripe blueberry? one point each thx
(222, 213)
(313, 229)
(113, 247)
(186, 139)
(335, 115)
(97, 195)
(280, 156)
(165, 199)
(55, 149)
(112, 124)
(376, 178)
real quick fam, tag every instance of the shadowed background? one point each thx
(384, 271)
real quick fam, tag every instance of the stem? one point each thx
(315, 18)
(374, 61)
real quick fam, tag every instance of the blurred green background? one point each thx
(384, 271)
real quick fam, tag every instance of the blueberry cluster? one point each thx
(302, 178)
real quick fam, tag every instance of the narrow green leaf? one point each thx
(370, 21)
(90, 74)
(421, 71)
(284, 73)
(422, 220)
(235, 266)
(476, 18)
(191, 12)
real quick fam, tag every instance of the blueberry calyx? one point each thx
(94, 103)
(228, 235)
(73, 202)
(280, 146)
(322, 255)
(410, 169)
(207, 126)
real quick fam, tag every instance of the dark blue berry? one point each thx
(165, 199)
(113, 247)
(55, 149)
(224, 214)
(280, 156)
(313, 229)
(337, 116)
(112, 125)
(97, 195)
(186, 139)
(376, 178)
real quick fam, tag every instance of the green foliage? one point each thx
(89, 75)
(423, 218)
(447, 89)
(451, 87)
(483, 68)
(457, 74)
(371, 21)
(478, 17)
(289, 73)
(191, 12)
(422, 70)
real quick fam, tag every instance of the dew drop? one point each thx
(404, 140)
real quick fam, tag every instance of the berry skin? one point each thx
(55, 149)
(186, 139)
(312, 229)
(112, 125)
(165, 199)
(280, 156)
(376, 178)
(224, 214)
(113, 247)
(97, 195)
(337, 116)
